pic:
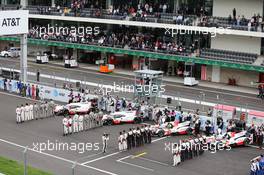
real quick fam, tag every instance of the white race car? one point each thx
(73, 108)
(231, 139)
(172, 128)
(121, 117)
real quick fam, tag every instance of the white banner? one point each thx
(13, 22)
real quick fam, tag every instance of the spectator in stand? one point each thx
(234, 13)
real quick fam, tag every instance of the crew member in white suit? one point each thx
(80, 123)
(31, 116)
(22, 108)
(65, 126)
(26, 112)
(176, 155)
(75, 123)
(125, 135)
(18, 114)
(120, 142)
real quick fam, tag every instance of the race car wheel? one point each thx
(161, 133)
(137, 120)
(65, 112)
(246, 142)
(6, 55)
(189, 131)
(109, 122)
(170, 125)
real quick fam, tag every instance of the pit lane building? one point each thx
(222, 49)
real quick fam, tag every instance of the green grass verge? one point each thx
(11, 167)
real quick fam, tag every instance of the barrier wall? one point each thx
(46, 92)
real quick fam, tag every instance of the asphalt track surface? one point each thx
(150, 159)
(244, 100)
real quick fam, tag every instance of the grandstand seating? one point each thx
(230, 56)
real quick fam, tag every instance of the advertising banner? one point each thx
(13, 22)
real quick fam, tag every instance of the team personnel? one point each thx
(120, 142)
(80, 123)
(176, 155)
(130, 139)
(65, 126)
(125, 135)
(26, 112)
(31, 107)
(105, 139)
(22, 108)
(70, 125)
(36, 111)
(18, 114)
(75, 123)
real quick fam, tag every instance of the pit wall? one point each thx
(242, 77)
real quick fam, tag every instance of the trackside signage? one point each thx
(13, 22)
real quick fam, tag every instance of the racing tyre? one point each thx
(6, 55)
(161, 133)
(246, 142)
(137, 120)
(189, 131)
(65, 112)
(170, 125)
(109, 122)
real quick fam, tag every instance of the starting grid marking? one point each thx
(115, 153)
(57, 157)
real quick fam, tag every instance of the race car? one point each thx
(121, 117)
(73, 108)
(172, 128)
(231, 139)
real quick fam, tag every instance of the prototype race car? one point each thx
(73, 108)
(172, 128)
(121, 117)
(231, 139)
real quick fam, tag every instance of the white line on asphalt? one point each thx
(124, 158)
(134, 165)
(154, 161)
(253, 146)
(159, 139)
(100, 158)
(57, 157)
